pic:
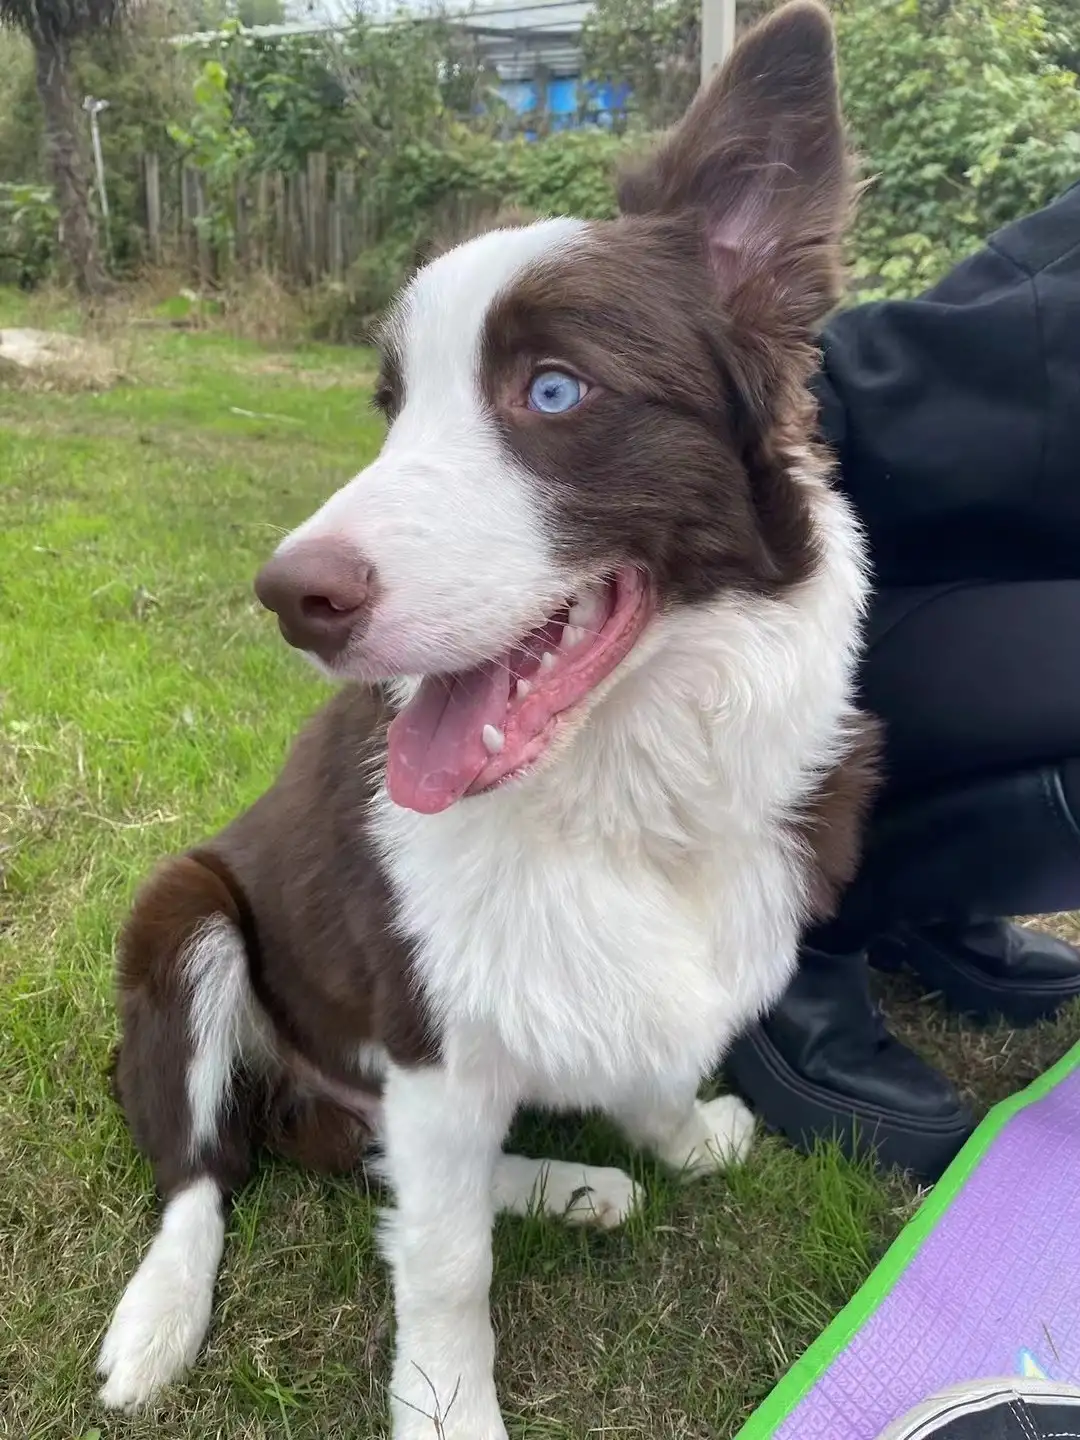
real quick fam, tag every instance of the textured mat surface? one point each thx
(984, 1281)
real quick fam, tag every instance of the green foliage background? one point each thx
(965, 120)
(966, 114)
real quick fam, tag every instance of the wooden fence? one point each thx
(304, 227)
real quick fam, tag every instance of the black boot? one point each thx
(822, 1065)
(987, 968)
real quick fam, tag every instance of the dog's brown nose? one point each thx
(318, 589)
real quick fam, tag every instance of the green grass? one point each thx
(144, 698)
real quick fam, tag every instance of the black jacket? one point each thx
(956, 417)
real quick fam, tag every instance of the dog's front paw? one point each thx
(429, 1407)
(718, 1134)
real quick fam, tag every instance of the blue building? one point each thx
(533, 46)
(564, 102)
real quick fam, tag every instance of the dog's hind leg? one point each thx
(162, 1318)
(187, 1075)
(689, 1136)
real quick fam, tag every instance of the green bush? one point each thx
(568, 173)
(28, 234)
(21, 141)
(427, 194)
(346, 314)
(1063, 32)
(964, 122)
(967, 112)
(146, 82)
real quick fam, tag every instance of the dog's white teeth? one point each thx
(585, 609)
(547, 661)
(524, 690)
(571, 636)
(493, 739)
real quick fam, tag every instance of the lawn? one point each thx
(144, 697)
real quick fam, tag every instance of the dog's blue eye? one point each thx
(552, 392)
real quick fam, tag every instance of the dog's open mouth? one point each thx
(463, 734)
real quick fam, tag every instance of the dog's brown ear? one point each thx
(761, 155)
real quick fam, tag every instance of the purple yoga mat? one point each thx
(993, 1289)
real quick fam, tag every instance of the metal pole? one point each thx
(717, 34)
(94, 108)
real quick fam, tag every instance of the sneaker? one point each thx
(994, 1410)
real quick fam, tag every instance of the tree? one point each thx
(53, 27)
(1063, 30)
(965, 112)
(654, 46)
(360, 94)
(965, 122)
(261, 12)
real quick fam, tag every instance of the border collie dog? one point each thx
(594, 764)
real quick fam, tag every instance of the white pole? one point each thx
(94, 108)
(717, 34)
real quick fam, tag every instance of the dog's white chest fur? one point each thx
(590, 973)
(604, 927)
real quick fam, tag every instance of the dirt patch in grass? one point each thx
(51, 360)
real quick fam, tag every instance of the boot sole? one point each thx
(971, 991)
(810, 1113)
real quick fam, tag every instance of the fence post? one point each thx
(717, 34)
(336, 227)
(242, 231)
(316, 216)
(346, 179)
(281, 224)
(152, 178)
(202, 240)
(187, 236)
(262, 220)
(295, 186)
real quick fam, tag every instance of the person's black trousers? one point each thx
(979, 817)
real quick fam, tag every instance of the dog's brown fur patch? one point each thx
(833, 823)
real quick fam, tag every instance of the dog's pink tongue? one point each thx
(436, 747)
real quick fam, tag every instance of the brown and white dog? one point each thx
(565, 854)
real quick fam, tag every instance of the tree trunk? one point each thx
(67, 164)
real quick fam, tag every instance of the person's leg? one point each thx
(980, 692)
(973, 679)
(1021, 708)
